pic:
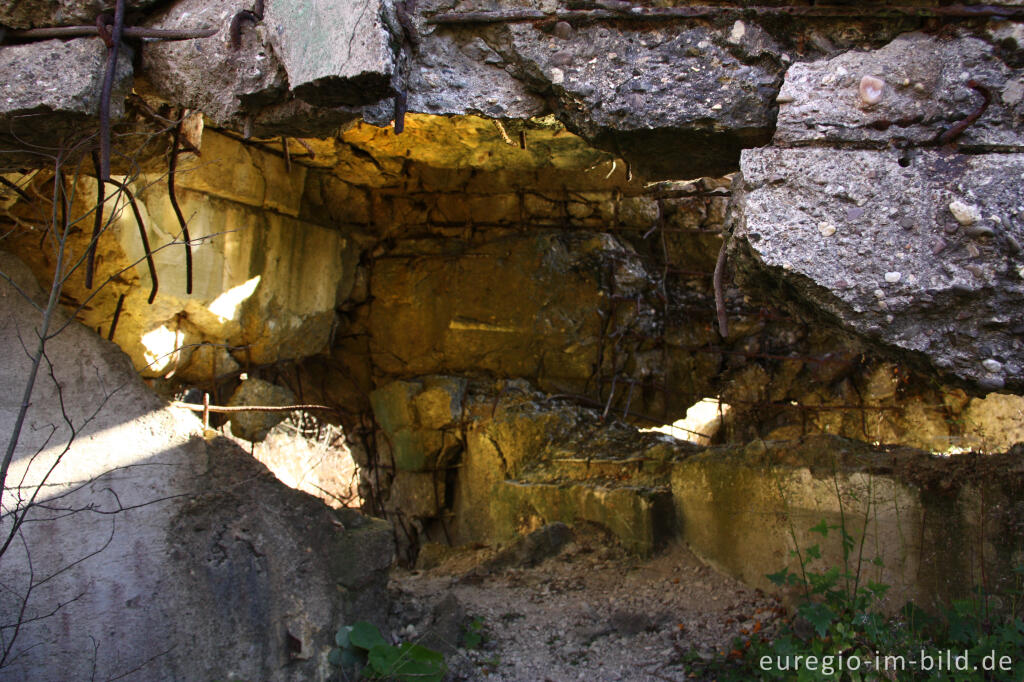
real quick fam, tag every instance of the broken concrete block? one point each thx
(254, 426)
(877, 267)
(50, 88)
(334, 53)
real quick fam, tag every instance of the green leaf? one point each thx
(346, 658)
(473, 636)
(408, 662)
(821, 528)
(781, 578)
(819, 616)
(813, 552)
(917, 618)
(341, 637)
(878, 589)
(822, 582)
(365, 635)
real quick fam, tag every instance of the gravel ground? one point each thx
(589, 613)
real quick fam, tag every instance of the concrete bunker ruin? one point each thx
(500, 250)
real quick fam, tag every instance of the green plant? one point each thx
(361, 649)
(837, 632)
(474, 634)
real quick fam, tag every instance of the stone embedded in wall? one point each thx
(895, 264)
(923, 91)
(418, 419)
(51, 92)
(254, 426)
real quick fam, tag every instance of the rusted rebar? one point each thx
(172, 166)
(142, 235)
(50, 32)
(112, 37)
(957, 130)
(250, 408)
(117, 316)
(636, 13)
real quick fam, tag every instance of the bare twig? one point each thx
(97, 226)
(48, 313)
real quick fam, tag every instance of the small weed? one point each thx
(474, 635)
(361, 649)
(837, 632)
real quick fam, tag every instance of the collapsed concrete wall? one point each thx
(885, 222)
(478, 217)
(135, 546)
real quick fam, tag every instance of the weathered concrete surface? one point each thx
(32, 13)
(696, 95)
(186, 559)
(208, 74)
(838, 228)
(334, 53)
(51, 91)
(460, 73)
(745, 508)
(312, 68)
(994, 423)
(332, 57)
(546, 328)
(518, 459)
(916, 248)
(264, 283)
(621, 89)
(924, 93)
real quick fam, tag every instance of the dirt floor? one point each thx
(588, 613)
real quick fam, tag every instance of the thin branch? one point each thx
(13, 187)
(97, 225)
(51, 307)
